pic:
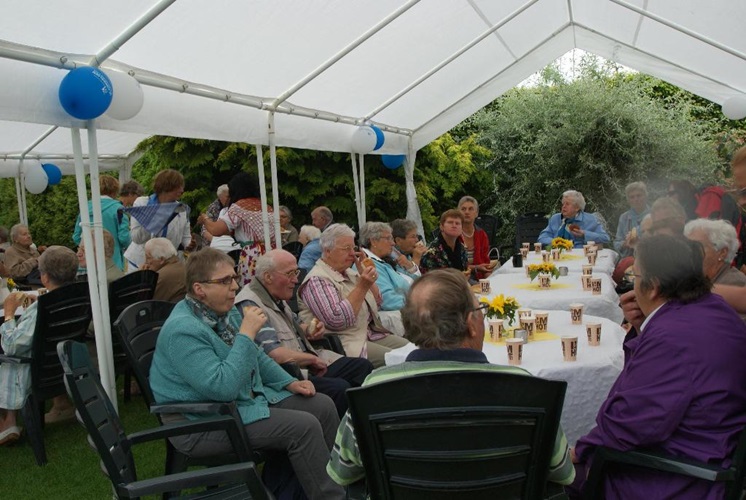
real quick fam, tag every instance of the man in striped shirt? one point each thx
(444, 320)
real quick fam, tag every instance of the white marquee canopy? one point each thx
(306, 73)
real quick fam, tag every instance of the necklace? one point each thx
(469, 235)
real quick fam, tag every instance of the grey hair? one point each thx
(311, 232)
(223, 188)
(287, 211)
(14, 231)
(468, 199)
(636, 186)
(400, 228)
(332, 233)
(372, 231)
(60, 264)
(267, 262)
(325, 213)
(160, 248)
(108, 242)
(576, 197)
(719, 232)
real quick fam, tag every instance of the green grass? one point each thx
(73, 470)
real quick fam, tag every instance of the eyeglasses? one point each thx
(630, 276)
(481, 307)
(222, 281)
(387, 238)
(348, 248)
(290, 274)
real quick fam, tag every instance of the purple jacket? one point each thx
(682, 392)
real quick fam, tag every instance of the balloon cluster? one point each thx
(86, 93)
(393, 162)
(366, 139)
(38, 177)
(735, 107)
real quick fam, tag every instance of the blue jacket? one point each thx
(114, 221)
(310, 254)
(392, 285)
(594, 231)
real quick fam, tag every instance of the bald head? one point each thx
(277, 271)
(321, 217)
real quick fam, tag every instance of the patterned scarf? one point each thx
(218, 324)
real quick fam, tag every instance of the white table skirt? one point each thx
(589, 379)
(573, 260)
(560, 297)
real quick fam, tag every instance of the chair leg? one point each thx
(33, 416)
(127, 382)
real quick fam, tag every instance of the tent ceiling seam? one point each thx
(639, 24)
(487, 23)
(453, 57)
(571, 20)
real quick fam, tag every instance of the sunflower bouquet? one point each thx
(562, 244)
(11, 284)
(544, 268)
(501, 307)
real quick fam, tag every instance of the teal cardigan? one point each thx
(192, 363)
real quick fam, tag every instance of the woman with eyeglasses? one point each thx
(206, 352)
(346, 300)
(408, 248)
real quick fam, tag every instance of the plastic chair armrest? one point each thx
(330, 342)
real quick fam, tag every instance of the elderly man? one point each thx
(213, 210)
(112, 270)
(681, 391)
(573, 223)
(21, 259)
(321, 218)
(58, 266)
(445, 321)
(628, 228)
(161, 257)
(286, 339)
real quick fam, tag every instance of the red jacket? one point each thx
(481, 249)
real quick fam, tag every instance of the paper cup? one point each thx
(585, 280)
(515, 351)
(591, 259)
(526, 245)
(545, 257)
(537, 248)
(41, 291)
(576, 314)
(542, 321)
(523, 312)
(545, 282)
(593, 330)
(555, 254)
(569, 348)
(591, 243)
(524, 252)
(496, 330)
(563, 270)
(484, 285)
(520, 334)
(586, 248)
(587, 269)
(596, 286)
(528, 323)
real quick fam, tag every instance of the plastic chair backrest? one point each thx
(528, 227)
(131, 288)
(457, 435)
(138, 327)
(490, 224)
(293, 302)
(294, 247)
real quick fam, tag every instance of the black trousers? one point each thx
(341, 375)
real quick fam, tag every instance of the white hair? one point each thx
(267, 262)
(372, 231)
(332, 233)
(636, 186)
(721, 234)
(160, 248)
(310, 232)
(576, 197)
(223, 188)
(14, 230)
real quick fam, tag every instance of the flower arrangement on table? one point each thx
(501, 307)
(562, 244)
(544, 268)
(11, 284)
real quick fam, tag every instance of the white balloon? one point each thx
(127, 97)
(363, 140)
(735, 107)
(36, 179)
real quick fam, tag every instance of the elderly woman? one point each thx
(309, 238)
(628, 228)
(720, 244)
(474, 238)
(289, 233)
(168, 186)
(112, 270)
(573, 223)
(213, 210)
(161, 257)
(681, 391)
(21, 260)
(205, 351)
(447, 250)
(345, 300)
(408, 248)
(243, 218)
(58, 266)
(112, 217)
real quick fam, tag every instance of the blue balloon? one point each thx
(393, 161)
(379, 137)
(54, 174)
(85, 93)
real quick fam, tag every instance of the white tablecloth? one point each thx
(573, 260)
(588, 379)
(560, 297)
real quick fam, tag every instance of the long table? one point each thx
(588, 379)
(605, 262)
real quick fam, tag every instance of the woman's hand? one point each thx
(16, 300)
(368, 274)
(253, 319)
(418, 250)
(302, 387)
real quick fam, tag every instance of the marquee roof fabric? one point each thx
(215, 70)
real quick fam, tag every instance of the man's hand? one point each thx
(315, 330)
(631, 310)
(302, 387)
(253, 319)
(318, 367)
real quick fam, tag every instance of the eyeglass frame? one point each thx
(483, 306)
(225, 281)
(289, 274)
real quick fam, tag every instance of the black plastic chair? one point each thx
(294, 247)
(62, 314)
(490, 224)
(125, 291)
(457, 435)
(607, 460)
(106, 435)
(528, 227)
(137, 328)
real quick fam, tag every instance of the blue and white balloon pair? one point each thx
(38, 177)
(367, 139)
(86, 93)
